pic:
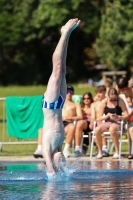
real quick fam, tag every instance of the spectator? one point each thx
(108, 85)
(111, 110)
(84, 124)
(71, 112)
(100, 93)
(125, 87)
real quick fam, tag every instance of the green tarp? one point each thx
(24, 116)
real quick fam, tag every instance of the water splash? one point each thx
(63, 171)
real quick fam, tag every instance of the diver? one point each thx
(54, 97)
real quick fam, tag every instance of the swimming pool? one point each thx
(93, 180)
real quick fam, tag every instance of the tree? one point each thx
(114, 46)
(30, 30)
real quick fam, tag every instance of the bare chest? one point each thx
(69, 110)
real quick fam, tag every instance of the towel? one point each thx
(24, 116)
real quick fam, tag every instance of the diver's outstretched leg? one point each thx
(59, 58)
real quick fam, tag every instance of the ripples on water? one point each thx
(92, 180)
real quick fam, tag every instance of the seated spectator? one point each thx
(111, 110)
(84, 124)
(125, 87)
(108, 85)
(100, 93)
(71, 112)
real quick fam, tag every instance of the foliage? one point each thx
(115, 41)
(30, 30)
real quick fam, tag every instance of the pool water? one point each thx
(93, 180)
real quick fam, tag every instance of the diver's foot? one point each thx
(70, 25)
(38, 154)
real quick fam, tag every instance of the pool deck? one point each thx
(31, 159)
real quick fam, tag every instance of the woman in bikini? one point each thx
(84, 124)
(112, 111)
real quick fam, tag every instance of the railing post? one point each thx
(0, 146)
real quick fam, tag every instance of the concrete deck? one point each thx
(34, 160)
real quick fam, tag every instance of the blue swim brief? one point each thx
(55, 105)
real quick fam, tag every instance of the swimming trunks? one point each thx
(88, 128)
(66, 123)
(55, 105)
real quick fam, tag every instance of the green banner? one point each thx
(24, 116)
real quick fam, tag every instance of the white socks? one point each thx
(104, 148)
(39, 147)
(66, 148)
(77, 148)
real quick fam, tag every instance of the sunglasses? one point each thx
(70, 92)
(113, 99)
(86, 98)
